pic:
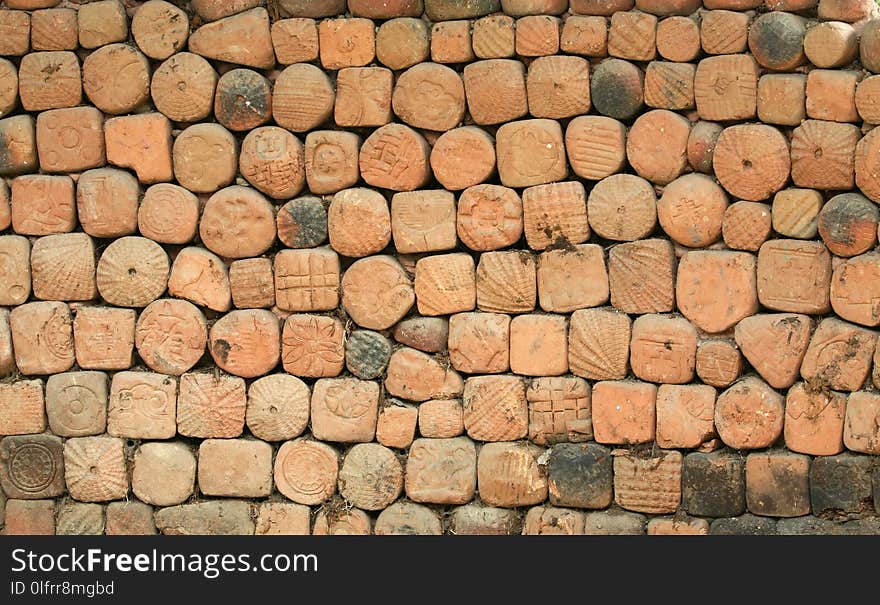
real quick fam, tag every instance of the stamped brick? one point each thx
(746, 225)
(244, 38)
(107, 202)
(678, 37)
(650, 484)
(54, 29)
(76, 403)
(867, 99)
(479, 343)
(42, 204)
(277, 407)
(691, 210)
(866, 158)
(252, 283)
(170, 336)
(494, 37)
(42, 337)
(489, 217)
(402, 42)
(463, 157)
(440, 418)
(774, 344)
(822, 154)
(559, 410)
(669, 85)
(558, 87)
(331, 160)
(441, 471)
(396, 426)
(777, 484)
(311, 346)
(376, 292)
(640, 275)
(495, 90)
(351, 522)
(749, 415)
(363, 96)
(237, 222)
(839, 355)
(95, 469)
(422, 221)
(445, 284)
(861, 431)
(794, 276)
(303, 98)
(76, 519)
(725, 87)
(22, 407)
(537, 35)
(429, 96)
(495, 408)
(346, 42)
(713, 484)
(624, 411)
(596, 146)
(344, 409)
(371, 476)
(508, 475)
(246, 342)
(307, 280)
(163, 474)
(200, 277)
(116, 78)
(663, 349)
(814, 420)
(235, 467)
(143, 405)
(205, 158)
(716, 289)
(555, 215)
(272, 160)
(530, 152)
(49, 80)
(32, 467)
(210, 406)
(359, 222)
(782, 98)
(282, 518)
(724, 32)
(622, 207)
(685, 415)
(831, 44)
(302, 223)
(752, 161)
(295, 40)
(598, 344)
(395, 157)
(183, 87)
(15, 276)
(160, 29)
(132, 272)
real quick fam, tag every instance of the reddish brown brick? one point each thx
(624, 411)
(663, 349)
(719, 362)
(749, 415)
(312, 345)
(640, 275)
(170, 336)
(30, 518)
(244, 38)
(235, 467)
(572, 279)
(656, 145)
(42, 337)
(839, 355)
(246, 342)
(451, 42)
(376, 292)
(496, 90)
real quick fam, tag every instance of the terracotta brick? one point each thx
(442, 10)
(416, 376)
(243, 100)
(160, 29)
(54, 29)
(685, 415)
(42, 336)
(441, 418)
(395, 157)
(716, 289)
(376, 292)
(15, 277)
(367, 353)
(669, 85)
(794, 276)
(445, 284)
(218, 517)
(861, 428)
(344, 409)
(75, 519)
(598, 344)
(331, 161)
(237, 222)
(94, 469)
(402, 42)
(441, 471)
(656, 145)
(555, 215)
(9, 88)
(205, 158)
(749, 415)
(451, 42)
(302, 223)
(132, 272)
(537, 35)
(42, 204)
(848, 224)
(546, 521)
(746, 225)
(396, 425)
(251, 283)
(22, 410)
(346, 43)
(814, 421)
(489, 217)
(530, 152)
(558, 87)
(640, 275)
(724, 32)
(713, 484)
(386, 10)
(359, 222)
(49, 80)
(142, 405)
(839, 355)
(596, 146)
(495, 408)
(795, 212)
(244, 39)
(209, 406)
(116, 78)
(130, 518)
(776, 40)
(782, 98)
(519, 8)
(295, 40)
(303, 98)
(831, 44)
(777, 484)
(648, 484)
(678, 38)
(307, 280)
(7, 358)
(701, 145)
(282, 518)
(572, 279)
(246, 342)
(353, 522)
(16, 28)
(164, 474)
(538, 345)
(508, 475)
(235, 467)
(624, 411)
(587, 36)
(277, 407)
(183, 87)
(774, 344)
(211, 10)
(475, 519)
(311, 346)
(691, 210)
(30, 518)
(494, 37)
(363, 96)
(76, 403)
(371, 476)
(107, 202)
(663, 349)
(678, 527)
(408, 519)
(101, 23)
(853, 287)
(422, 221)
(867, 180)
(633, 36)
(479, 342)
(725, 87)
(822, 154)
(867, 99)
(622, 207)
(559, 410)
(831, 95)
(614, 522)
(495, 90)
(200, 277)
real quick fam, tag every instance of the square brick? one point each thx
(54, 29)
(307, 280)
(346, 42)
(22, 410)
(295, 40)
(669, 85)
(439, 418)
(63, 267)
(777, 484)
(396, 426)
(537, 35)
(32, 467)
(441, 471)
(30, 518)
(862, 427)
(345, 410)
(685, 415)
(624, 411)
(841, 484)
(76, 403)
(585, 35)
(598, 343)
(15, 27)
(252, 283)
(15, 279)
(130, 519)
(103, 337)
(49, 80)
(143, 143)
(839, 355)
(532, 152)
(479, 343)
(363, 96)
(445, 284)
(726, 87)
(633, 36)
(507, 282)
(724, 32)
(782, 99)
(235, 467)
(95, 469)
(43, 205)
(70, 140)
(795, 212)
(509, 475)
(495, 408)
(423, 221)
(102, 23)
(663, 349)
(580, 475)
(539, 345)
(831, 95)
(640, 276)
(555, 216)
(713, 484)
(211, 406)
(572, 279)
(716, 289)
(451, 42)
(164, 473)
(19, 147)
(495, 90)
(42, 336)
(331, 159)
(814, 420)
(75, 519)
(794, 276)
(107, 202)
(558, 87)
(283, 519)
(312, 346)
(559, 410)
(650, 484)
(494, 37)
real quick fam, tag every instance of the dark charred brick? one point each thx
(848, 224)
(777, 484)
(614, 522)
(580, 475)
(876, 483)
(745, 525)
(243, 100)
(776, 40)
(616, 89)
(447, 10)
(814, 526)
(713, 484)
(841, 484)
(32, 466)
(302, 223)
(367, 354)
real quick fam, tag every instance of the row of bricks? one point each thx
(748, 415)
(371, 477)
(30, 517)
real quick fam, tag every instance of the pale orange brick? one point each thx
(142, 143)
(101, 23)
(415, 376)
(640, 275)
(749, 415)
(69, 140)
(95, 469)
(352, 522)
(376, 292)
(530, 152)
(163, 474)
(596, 146)
(402, 42)
(439, 418)
(675, 527)
(663, 349)
(719, 362)
(251, 283)
(306, 471)
(598, 343)
(538, 345)
(49, 80)
(814, 420)
(725, 87)
(795, 212)
(509, 475)
(587, 36)
(558, 87)
(171, 335)
(423, 221)
(774, 344)
(495, 408)
(331, 162)
(200, 277)
(359, 222)
(831, 95)
(648, 484)
(862, 426)
(246, 343)
(282, 518)
(183, 87)
(669, 85)
(724, 32)
(396, 426)
(622, 207)
(496, 90)
(559, 410)
(839, 355)
(716, 289)
(691, 210)
(489, 217)
(295, 40)
(685, 415)
(746, 225)
(160, 29)
(16, 28)
(107, 202)
(479, 342)
(42, 337)
(22, 409)
(277, 407)
(205, 158)
(143, 405)
(363, 96)
(210, 406)
(794, 276)
(244, 38)
(371, 476)
(42, 204)
(494, 37)
(395, 157)
(345, 409)
(63, 267)
(307, 280)
(235, 467)
(782, 98)
(30, 518)
(751, 161)
(678, 38)
(656, 145)
(346, 42)
(312, 346)
(445, 284)
(537, 35)
(54, 29)
(237, 222)
(624, 411)
(633, 36)
(451, 42)
(116, 78)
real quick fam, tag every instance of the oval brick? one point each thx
(243, 100)
(8, 87)
(429, 96)
(132, 272)
(205, 158)
(376, 292)
(746, 225)
(691, 210)
(656, 145)
(367, 354)
(116, 78)
(678, 38)
(359, 222)
(163, 474)
(776, 40)
(183, 87)
(752, 161)
(246, 343)
(848, 224)
(168, 214)
(749, 415)
(306, 471)
(463, 157)
(427, 334)
(622, 207)
(237, 222)
(831, 44)
(489, 217)
(371, 477)
(302, 223)
(160, 29)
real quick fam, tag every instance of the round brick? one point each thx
(303, 98)
(558, 87)
(116, 78)
(402, 42)
(776, 40)
(371, 477)
(622, 207)
(8, 87)
(272, 160)
(160, 29)
(868, 99)
(831, 44)
(205, 158)
(163, 474)
(868, 165)
(237, 222)
(678, 39)
(183, 88)
(749, 415)
(408, 519)
(616, 89)
(429, 96)
(395, 157)
(278, 407)
(869, 46)
(489, 217)
(246, 342)
(367, 354)
(691, 210)
(306, 471)
(656, 145)
(243, 100)
(701, 145)
(376, 292)
(463, 157)
(170, 336)
(359, 222)
(596, 146)
(751, 161)
(132, 272)
(302, 223)
(168, 214)
(848, 224)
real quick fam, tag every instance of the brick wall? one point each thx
(435, 266)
